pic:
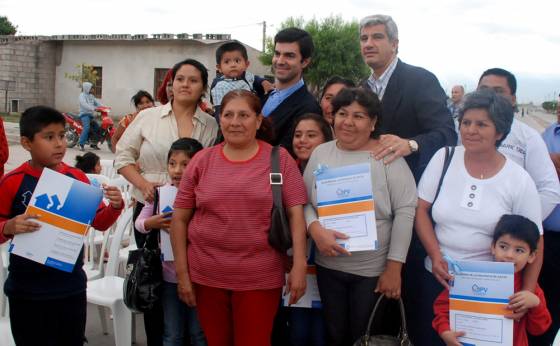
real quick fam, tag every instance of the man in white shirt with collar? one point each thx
(524, 145)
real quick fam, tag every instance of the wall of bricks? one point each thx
(32, 65)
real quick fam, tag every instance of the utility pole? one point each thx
(264, 36)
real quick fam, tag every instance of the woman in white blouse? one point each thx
(147, 141)
(479, 187)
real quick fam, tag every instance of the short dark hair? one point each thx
(337, 80)
(231, 46)
(518, 227)
(365, 98)
(86, 163)
(324, 126)
(196, 64)
(496, 71)
(139, 95)
(500, 110)
(36, 118)
(301, 37)
(189, 146)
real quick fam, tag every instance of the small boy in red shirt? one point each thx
(515, 240)
(47, 306)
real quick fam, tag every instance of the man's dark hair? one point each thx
(496, 71)
(518, 227)
(231, 46)
(365, 98)
(35, 119)
(189, 146)
(301, 37)
(139, 95)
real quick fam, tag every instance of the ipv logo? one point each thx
(342, 192)
(479, 291)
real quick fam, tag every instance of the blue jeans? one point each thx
(178, 317)
(87, 121)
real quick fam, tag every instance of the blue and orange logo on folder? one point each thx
(481, 298)
(352, 198)
(74, 213)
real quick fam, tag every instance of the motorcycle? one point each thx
(104, 134)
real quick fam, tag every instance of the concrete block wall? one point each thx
(32, 65)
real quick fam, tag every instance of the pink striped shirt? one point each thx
(228, 234)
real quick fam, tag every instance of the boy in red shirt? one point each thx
(515, 240)
(47, 305)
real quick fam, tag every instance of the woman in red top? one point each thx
(4, 151)
(236, 274)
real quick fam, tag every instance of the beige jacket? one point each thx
(148, 138)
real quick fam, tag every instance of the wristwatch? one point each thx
(413, 145)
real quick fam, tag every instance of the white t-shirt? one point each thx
(525, 147)
(468, 209)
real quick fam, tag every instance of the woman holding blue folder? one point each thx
(347, 281)
(480, 186)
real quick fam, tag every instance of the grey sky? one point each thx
(455, 39)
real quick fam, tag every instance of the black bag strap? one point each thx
(449, 151)
(152, 238)
(276, 180)
(403, 332)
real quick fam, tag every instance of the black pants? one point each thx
(153, 319)
(347, 301)
(55, 322)
(550, 283)
(420, 291)
(281, 329)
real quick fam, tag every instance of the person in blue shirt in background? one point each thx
(548, 279)
(88, 103)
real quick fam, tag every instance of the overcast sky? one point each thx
(455, 39)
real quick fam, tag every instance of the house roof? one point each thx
(202, 38)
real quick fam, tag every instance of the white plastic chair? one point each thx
(4, 258)
(6, 338)
(123, 253)
(93, 262)
(107, 168)
(108, 290)
(125, 187)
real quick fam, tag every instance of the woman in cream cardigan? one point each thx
(148, 139)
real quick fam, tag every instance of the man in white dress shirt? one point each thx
(524, 145)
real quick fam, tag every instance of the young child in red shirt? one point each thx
(515, 240)
(47, 306)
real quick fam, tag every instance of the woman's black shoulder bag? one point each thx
(280, 236)
(143, 277)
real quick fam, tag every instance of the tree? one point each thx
(337, 50)
(549, 106)
(84, 73)
(6, 27)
